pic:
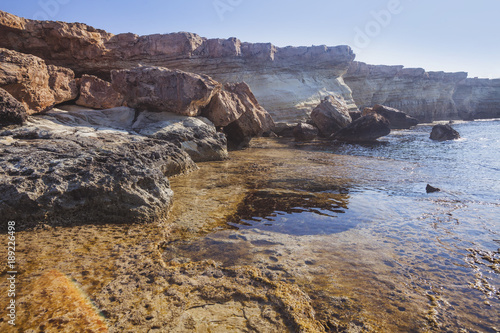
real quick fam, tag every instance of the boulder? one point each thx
(60, 175)
(252, 123)
(331, 115)
(305, 132)
(365, 129)
(397, 119)
(224, 108)
(284, 129)
(431, 189)
(164, 90)
(444, 133)
(355, 115)
(196, 136)
(37, 86)
(12, 112)
(98, 94)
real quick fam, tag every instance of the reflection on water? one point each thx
(358, 233)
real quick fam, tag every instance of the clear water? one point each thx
(355, 221)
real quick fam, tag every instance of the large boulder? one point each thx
(165, 90)
(397, 119)
(365, 129)
(196, 136)
(37, 86)
(224, 108)
(254, 122)
(60, 175)
(305, 132)
(12, 112)
(98, 94)
(444, 133)
(331, 115)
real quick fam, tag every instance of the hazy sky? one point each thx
(459, 35)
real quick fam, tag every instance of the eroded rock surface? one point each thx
(365, 129)
(98, 94)
(331, 115)
(37, 86)
(12, 112)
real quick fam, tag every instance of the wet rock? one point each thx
(165, 90)
(431, 189)
(331, 115)
(397, 119)
(444, 133)
(36, 85)
(305, 132)
(12, 112)
(365, 129)
(98, 94)
(285, 129)
(61, 170)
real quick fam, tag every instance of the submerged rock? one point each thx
(12, 112)
(365, 129)
(37, 86)
(331, 115)
(305, 132)
(397, 119)
(444, 133)
(431, 189)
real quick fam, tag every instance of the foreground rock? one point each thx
(12, 112)
(331, 115)
(37, 86)
(98, 94)
(165, 90)
(365, 129)
(397, 119)
(67, 168)
(444, 133)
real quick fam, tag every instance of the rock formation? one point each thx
(37, 86)
(289, 82)
(66, 168)
(397, 119)
(444, 133)
(478, 98)
(165, 90)
(98, 94)
(365, 129)
(331, 115)
(305, 132)
(12, 112)
(427, 96)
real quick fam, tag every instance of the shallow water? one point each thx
(354, 223)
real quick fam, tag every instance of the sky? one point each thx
(438, 35)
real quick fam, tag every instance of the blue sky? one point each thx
(460, 35)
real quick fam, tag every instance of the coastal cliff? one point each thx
(289, 82)
(427, 96)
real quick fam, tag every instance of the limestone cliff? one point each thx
(427, 96)
(289, 82)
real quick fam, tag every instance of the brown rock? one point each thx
(254, 122)
(11, 110)
(224, 108)
(33, 83)
(98, 94)
(444, 133)
(397, 119)
(365, 129)
(161, 89)
(305, 132)
(331, 115)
